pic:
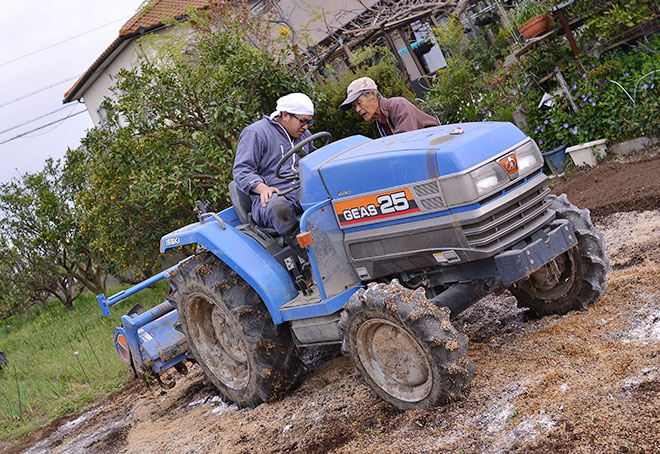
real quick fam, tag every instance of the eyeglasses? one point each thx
(309, 123)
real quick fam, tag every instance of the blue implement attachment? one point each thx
(148, 340)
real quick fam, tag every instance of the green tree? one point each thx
(171, 134)
(45, 250)
(12, 298)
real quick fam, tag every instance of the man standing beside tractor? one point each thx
(260, 148)
(390, 116)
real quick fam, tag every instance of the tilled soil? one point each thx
(586, 382)
(617, 186)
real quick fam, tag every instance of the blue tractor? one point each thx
(401, 234)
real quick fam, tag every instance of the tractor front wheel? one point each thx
(405, 348)
(231, 335)
(575, 279)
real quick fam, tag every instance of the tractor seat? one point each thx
(242, 203)
(243, 206)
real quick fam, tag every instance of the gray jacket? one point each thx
(260, 147)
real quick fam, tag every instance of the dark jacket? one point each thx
(401, 115)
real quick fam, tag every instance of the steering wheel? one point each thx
(298, 149)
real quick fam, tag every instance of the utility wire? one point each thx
(60, 42)
(48, 131)
(66, 106)
(38, 91)
(42, 127)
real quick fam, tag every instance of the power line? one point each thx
(48, 131)
(35, 119)
(60, 42)
(42, 127)
(38, 91)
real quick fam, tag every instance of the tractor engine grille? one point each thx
(427, 189)
(510, 223)
(428, 195)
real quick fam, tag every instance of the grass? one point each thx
(59, 361)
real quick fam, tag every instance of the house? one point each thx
(95, 84)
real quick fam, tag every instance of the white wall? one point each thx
(309, 17)
(99, 89)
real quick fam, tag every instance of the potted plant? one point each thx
(532, 18)
(556, 159)
(588, 154)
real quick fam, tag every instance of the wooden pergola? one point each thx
(383, 25)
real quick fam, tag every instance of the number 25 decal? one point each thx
(391, 203)
(374, 207)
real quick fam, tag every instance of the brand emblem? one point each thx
(510, 163)
(173, 241)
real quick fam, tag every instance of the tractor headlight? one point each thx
(471, 186)
(489, 177)
(529, 157)
(458, 190)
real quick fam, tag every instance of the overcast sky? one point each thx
(26, 27)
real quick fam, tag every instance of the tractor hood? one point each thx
(415, 156)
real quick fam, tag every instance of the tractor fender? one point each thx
(242, 254)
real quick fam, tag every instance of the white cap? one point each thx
(295, 103)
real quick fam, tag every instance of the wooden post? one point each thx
(564, 87)
(412, 54)
(434, 20)
(347, 53)
(568, 32)
(390, 44)
(565, 26)
(345, 48)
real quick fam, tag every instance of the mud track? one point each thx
(587, 382)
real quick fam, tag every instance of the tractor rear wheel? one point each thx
(575, 279)
(231, 334)
(404, 347)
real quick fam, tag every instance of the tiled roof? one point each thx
(150, 17)
(158, 11)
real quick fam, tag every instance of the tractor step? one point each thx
(312, 297)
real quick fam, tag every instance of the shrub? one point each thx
(464, 91)
(372, 61)
(604, 20)
(617, 98)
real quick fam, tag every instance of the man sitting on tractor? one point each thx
(390, 116)
(260, 148)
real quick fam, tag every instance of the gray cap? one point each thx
(355, 89)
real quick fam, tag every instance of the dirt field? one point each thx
(587, 382)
